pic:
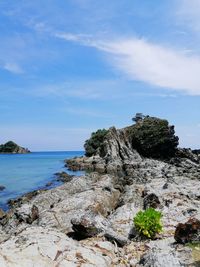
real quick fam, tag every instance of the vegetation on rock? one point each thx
(153, 137)
(95, 143)
(11, 147)
(148, 222)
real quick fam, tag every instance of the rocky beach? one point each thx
(88, 220)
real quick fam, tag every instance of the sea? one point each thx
(23, 173)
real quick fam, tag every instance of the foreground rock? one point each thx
(11, 147)
(37, 246)
(100, 208)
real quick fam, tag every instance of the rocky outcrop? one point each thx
(125, 152)
(11, 147)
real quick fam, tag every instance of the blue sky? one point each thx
(70, 67)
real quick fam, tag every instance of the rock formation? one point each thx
(88, 221)
(13, 148)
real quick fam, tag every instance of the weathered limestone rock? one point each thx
(43, 247)
(58, 206)
(162, 253)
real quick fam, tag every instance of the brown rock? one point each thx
(188, 232)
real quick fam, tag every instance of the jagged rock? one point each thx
(120, 157)
(188, 232)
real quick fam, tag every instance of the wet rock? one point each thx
(49, 184)
(2, 187)
(188, 232)
(64, 177)
(15, 203)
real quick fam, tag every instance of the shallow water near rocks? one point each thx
(22, 173)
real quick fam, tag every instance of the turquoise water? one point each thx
(22, 173)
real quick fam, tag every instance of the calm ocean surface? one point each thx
(22, 173)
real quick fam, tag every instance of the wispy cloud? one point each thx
(144, 61)
(13, 68)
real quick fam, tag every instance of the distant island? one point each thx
(13, 148)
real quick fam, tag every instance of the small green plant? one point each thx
(148, 222)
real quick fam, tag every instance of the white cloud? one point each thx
(151, 63)
(13, 68)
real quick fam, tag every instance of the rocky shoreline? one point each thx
(88, 220)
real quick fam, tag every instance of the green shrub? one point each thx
(153, 137)
(8, 147)
(95, 142)
(148, 222)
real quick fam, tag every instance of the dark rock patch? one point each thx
(84, 227)
(63, 177)
(188, 232)
(151, 201)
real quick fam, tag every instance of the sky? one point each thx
(70, 67)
